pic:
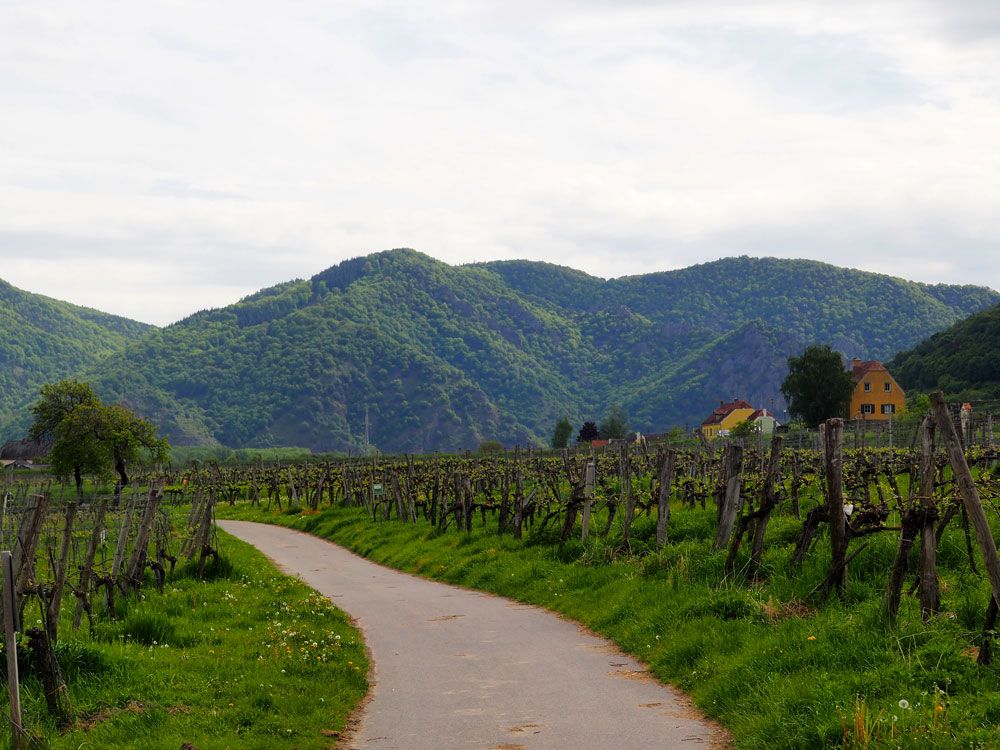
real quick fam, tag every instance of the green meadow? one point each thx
(249, 658)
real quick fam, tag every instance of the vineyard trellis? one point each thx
(915, 491)
(95, 548)
(100, 547)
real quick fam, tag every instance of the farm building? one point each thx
(877, 395)
(24, 450)
(725, 417)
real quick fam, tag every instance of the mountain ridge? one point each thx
(441, 357)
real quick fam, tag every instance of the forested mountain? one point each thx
(43, 340)
(442, 357)
(963, 361)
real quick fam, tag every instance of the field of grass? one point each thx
(248, 659)
(777, 668)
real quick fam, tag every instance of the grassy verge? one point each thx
(777, 671)
(249, 659)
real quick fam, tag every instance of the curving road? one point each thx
(459, 669)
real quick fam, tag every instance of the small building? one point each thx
(877, 396)
(725, 417)
(764, 422)
(24, 450)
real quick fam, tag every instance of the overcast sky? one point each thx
(157, 158)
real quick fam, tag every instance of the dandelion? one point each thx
(811, 638)
(904, 704)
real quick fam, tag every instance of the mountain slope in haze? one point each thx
(963, 360)
(434, 356)
(43, 340)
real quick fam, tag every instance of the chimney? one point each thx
(855, 363)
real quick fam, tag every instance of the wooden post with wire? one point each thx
(10, 626)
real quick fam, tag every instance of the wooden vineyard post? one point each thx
(666, 479)
(730, 506)
(588, 498)
(767, 505)
(137, 563)
(10, 626)
(87, 569)
(832, 433)
(122, 539)
(27, 542)
(625, 465)
(967, 489)
(930, 596)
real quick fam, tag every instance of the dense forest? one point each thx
(42, 340)
(963, 361)
(412, 354)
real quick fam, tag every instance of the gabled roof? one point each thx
(859, 369)
(725, 410)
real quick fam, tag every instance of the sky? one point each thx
(158, 158)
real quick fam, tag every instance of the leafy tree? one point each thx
(615, 424)
(89, 437)
(491, 447)
(744, 429)
(588, 432)
(817, 386)
(561, 435)
(56, 402)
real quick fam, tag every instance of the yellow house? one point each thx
(726, 417)
(877, 396)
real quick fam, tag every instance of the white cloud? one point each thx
(212, 149)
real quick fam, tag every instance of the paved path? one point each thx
(459, 669)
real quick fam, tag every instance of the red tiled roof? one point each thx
(859, 369)
(724, 410)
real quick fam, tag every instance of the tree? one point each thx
(560, 437)
(615, 424)
(91, 438)
(56, 401)
(745, 429)
(72, 452)
(588, 432)
(817, 386)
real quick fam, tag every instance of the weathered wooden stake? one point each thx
(731, 501)
(10, 644)
(666, 479)
(967, 489)
(588, 498)
(832, 433)
(930, 595)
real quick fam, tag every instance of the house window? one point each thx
(888, 387)
(867, 408)
(888, 408)
(868, 387)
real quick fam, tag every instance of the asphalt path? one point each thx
(454, 668)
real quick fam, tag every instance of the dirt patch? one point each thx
(631, 674)
(522, 728)
(88, 722)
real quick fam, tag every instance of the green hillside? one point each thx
(963, 361)
(43, 340)
(443, 357)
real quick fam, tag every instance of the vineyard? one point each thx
(847, 495)
(809, 527)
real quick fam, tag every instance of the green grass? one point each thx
(775, 670)
(248, 659)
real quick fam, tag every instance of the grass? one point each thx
(250, 658)
(778, 670)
